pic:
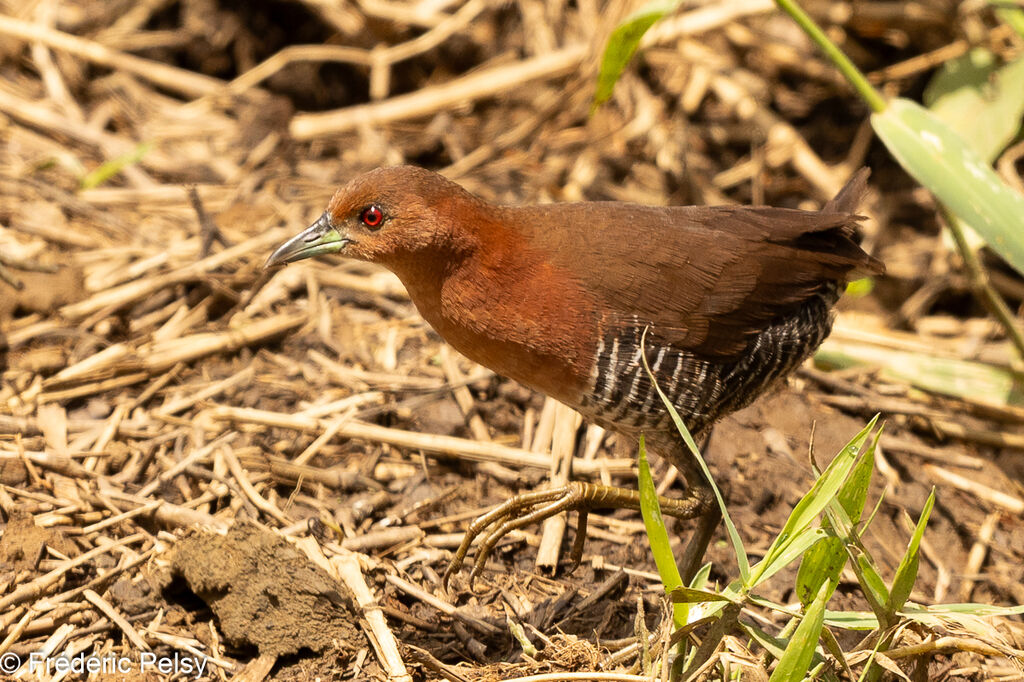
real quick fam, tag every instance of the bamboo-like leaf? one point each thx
(871, 583)
(800, 651)
(775, 646)
(689, 595)
(797, 546)
(623, 42)
(816, 499)
(952, 610)
(943, 162)
(657, 535)
(851, 620)
(906, 572)
(825, 560)
(739, 550)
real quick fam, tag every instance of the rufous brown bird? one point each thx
(558, 297)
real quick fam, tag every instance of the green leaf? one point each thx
(906, 572)
(700, 579)
(1011, 16)
(790, 552)
(952, 610)
(943, 162)
(980, 100)
(738, 549)
(833, 647)
(623, 42)
(800, 651)
(817, 498)
(689, 595)
(109, 169)
(976, 381)
(657, 535)
(776, 646)
(871, 583)
(826, 559)
(851, 620)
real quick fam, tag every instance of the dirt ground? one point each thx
(272, 469)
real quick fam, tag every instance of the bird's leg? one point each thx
(698, 487)
(707, 522)
(528, 508)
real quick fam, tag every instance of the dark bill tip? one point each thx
(316, 240)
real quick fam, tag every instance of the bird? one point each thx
(586, 301)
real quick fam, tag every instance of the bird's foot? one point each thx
(528, 508)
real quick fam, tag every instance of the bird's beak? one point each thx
(317, 239)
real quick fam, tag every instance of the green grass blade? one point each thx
(739, 550)
(871, 583)
(798, 546)
(826, 559)
(109, 169)
(800, 651)
(775, 646)
(952, 610)
(690, 595)
(906, 572)
(817, 498)
(622, 44)
(657, 535)
(851, 620)
(943, 162)
(968, 379)
(701, 577)
(853, 76)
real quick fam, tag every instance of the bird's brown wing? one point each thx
(706, 279)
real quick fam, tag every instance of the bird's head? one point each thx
(386, 216)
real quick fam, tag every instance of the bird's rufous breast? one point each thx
(507, 306)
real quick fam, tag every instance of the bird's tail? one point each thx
(849, 197)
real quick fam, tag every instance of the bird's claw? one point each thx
(518, 512)
(528, 508)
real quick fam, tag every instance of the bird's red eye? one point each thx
(372, 216)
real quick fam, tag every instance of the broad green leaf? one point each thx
(906, 572)
(943, 162)
(976, 381)
(980, 100)
(623, 42)
(657, 535)
(825, 560)
(800, 651)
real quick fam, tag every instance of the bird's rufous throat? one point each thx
(558, 297)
